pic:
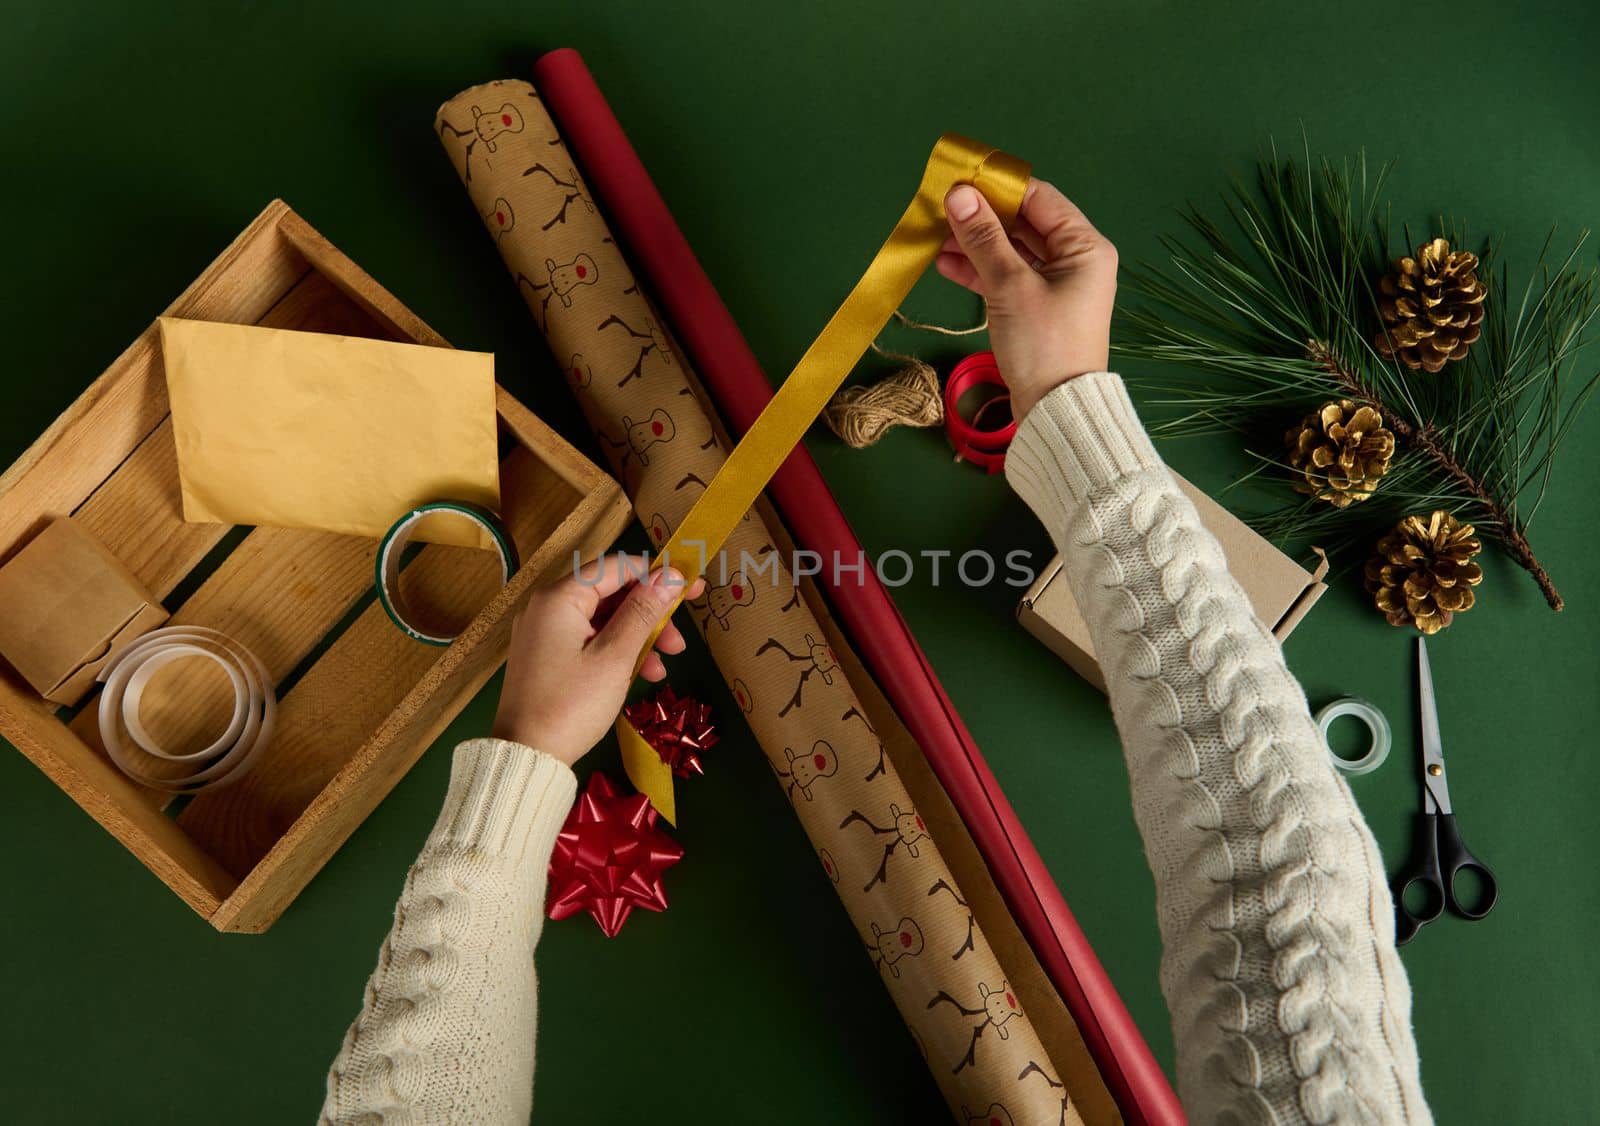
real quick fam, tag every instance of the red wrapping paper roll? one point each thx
(707, 331)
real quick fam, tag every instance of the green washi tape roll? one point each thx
(1376, 722)
(399, 536)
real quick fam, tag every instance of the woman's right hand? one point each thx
(573, 650)
(1050, 286)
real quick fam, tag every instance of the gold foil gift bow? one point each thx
(872, 843)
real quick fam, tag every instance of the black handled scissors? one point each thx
(1437, 855)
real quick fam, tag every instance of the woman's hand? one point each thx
(1049, 291)
(572, 653)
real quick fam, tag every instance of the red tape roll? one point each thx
(984, 448)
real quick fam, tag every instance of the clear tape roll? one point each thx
(226, 758)
(1376, 722)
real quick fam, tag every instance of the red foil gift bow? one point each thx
(719, 352)
(677, 728)
(609, 857)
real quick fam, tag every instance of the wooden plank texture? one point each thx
(277, 594)
(362, 677)
(138, 514)
(417, 720)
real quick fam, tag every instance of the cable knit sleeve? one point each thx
(446, 1030)
(1288, 1001)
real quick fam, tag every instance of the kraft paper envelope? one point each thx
(338, 433)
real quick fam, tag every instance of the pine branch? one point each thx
(1425, 441)
(1277, 308)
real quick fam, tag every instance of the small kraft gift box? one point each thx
(1280, 590)
(66, 606)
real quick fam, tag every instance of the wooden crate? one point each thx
(363, 701)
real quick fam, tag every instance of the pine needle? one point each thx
(1272, 311)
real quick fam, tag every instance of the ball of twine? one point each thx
(862, 414)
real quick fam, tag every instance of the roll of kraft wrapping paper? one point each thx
(940, 970)
(718, 352)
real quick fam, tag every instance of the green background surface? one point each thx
(139, 139)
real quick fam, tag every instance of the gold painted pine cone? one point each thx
(1432, 307)
(1341, 450)
(1423, 573)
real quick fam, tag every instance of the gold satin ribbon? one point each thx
(904, 257)
(644, 768)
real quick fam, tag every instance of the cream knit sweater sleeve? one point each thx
(1288, 1001)
(446, 1030)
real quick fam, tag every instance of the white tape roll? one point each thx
(1376, 722)
(231, 754)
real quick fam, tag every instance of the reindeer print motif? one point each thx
(906, 828)
(579, 373)
(655, 340)
(804, 770)
(818, 660)
(855, 713)
(561, 280)
(828, 866)
(1034, 1068)
(903, 940)
(640, 436)
(571, 188)
(723, 598)
(775, 564)
(996, 1006)
(942, 885)
(996, 1115)
(566, 277)
(485, 128)
(742, 697)
(910, 826)
(656, 528)
(501, 219)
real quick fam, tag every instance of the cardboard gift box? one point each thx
(360, 701)
(67, 605)
(1280, 590)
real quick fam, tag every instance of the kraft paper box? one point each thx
(1280, 590)
(66, 605)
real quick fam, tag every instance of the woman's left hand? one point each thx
(573, 649)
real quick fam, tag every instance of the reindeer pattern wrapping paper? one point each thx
(871, 842)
